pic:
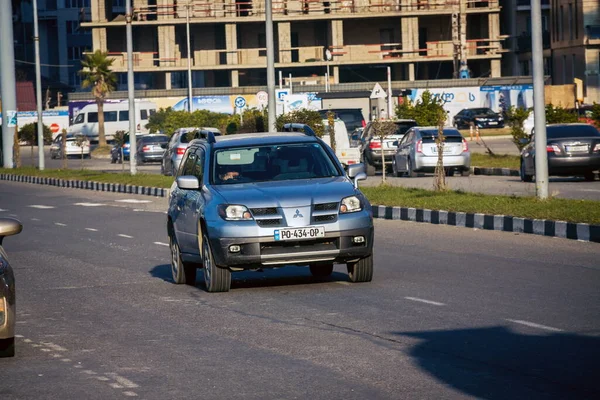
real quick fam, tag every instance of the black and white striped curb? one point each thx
(494, 171)
(89, 185)
(561, 229)
(567, 230)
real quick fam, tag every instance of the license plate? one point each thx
(307, 232)
(446, 150)
(576, 149)
(492, 123)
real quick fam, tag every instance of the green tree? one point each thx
(253, 120)
(425, 111)
(97, 75)
(596, 114)
(559, 115)
(515, 118)
(28, 133)
(303, 116)
(167, 120)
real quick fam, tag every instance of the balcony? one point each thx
(593, 34)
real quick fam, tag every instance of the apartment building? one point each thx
(418, 39)
(575, 35)
(62, 40)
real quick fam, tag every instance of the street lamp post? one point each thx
(189, 59)
(270, 65)
(38, 88)
(131, 92)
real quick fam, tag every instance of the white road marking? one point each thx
(134, 201)
(433, 303)
(46, 350)
(36, 345)
(35, 219)
(115, 386)
(56, 355)
(534, 325)
(102, 378)
(130, 394)
(2, 209)
(65, 359)
(27, 340)
(60, 224)
(53, 346)
(77, 366)
(88, 372)
(123, 381)
(125, 236)
(19, 336)
(91, 229)
(343, 283)
(41, 207)
(90, 204)
(162, 244)
(13, 215)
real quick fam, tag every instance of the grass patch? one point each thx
(486, 132)
(152, 180)
(101, 151)
(495, 161)
(587, 211)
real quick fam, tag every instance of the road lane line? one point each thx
(130, 393)
(125, 236)
(102, 378)
(133, 201)
(54, 346)
(433, 303)
(90, 204)
(115, 386)
(91, 229)
(65, 359)
(88, 372)
(35, 219)
(40, 206)
(123, 381)
(2, 210)
(162, 244)
(60, 224)
(534, 325)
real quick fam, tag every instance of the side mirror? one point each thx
(163, 146)
(524, 141)
(9, 227)
(395, 143)
(359, 177)
(188, 182)
(355, 169)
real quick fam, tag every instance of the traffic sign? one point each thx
(378, 92)
(54, 128)
(240, 102)
(262, 97)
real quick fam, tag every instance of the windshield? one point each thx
(272, 163)
(571, 131)
(483, 111)
(402, 127)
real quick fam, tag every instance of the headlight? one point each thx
(234, 212)
(350, 204)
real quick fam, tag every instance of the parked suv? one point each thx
(480, 117)
(260, 200)
(371, 146)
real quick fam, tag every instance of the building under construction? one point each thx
(355, 40)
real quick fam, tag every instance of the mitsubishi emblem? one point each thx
(298, 215)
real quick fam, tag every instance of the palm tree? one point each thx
(96, 73)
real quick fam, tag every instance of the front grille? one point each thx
(325, 218)
(268, 222)
(264, 211)
(326, 207)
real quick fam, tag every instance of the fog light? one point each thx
(358, 239)
(234, 248)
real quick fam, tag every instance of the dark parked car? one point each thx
(479, 117)
(8, 315)
(151, 147)
(573, 149)
(371, 146)
(352, 117)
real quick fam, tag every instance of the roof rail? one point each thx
(296, 127)
(206, 135)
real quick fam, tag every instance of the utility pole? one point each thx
(456, 42)
(189, 58)
(539, 113)
(131, 91)
(464, 68)
(7, 81)
(38, 88)
(270, 66)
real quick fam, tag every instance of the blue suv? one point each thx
(251, 201)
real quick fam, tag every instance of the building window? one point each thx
(75, 53)
(74, 79)
(560, 23)
(77, 3)
(571, 30)
(525, 68)
(118, 3)
(572, 67)
(576, 22)
(548, 66)
(73, 28)
(564, 70)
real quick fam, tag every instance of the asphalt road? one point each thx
(451, 313)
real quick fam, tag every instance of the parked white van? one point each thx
(116, 118)
(346, 154)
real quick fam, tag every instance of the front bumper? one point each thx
(336, 247)
(489, 124)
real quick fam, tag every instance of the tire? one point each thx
(448, 172)
(7, 347)
(589, 176)
(370, 170)
(321, 270)
(216, 279)
(183, 273)
(524, 176)
(466, 172)
(411, 173)
(362, 270)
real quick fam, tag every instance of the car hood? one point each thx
(290, 193)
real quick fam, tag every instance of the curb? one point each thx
(561, 229)
(89, 185)
(495, 171)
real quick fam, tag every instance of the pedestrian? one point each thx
(383, 114)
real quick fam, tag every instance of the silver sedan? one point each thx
(8, 227)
